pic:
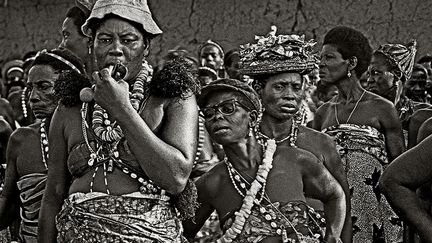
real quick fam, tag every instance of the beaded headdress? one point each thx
(211, 43)
(277, 53)
(401, 56)
(59, 58)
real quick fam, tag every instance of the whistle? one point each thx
(118, 71)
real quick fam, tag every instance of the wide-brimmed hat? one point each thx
(401, 56)
(230, 84)
(276, 54)
(133, 10)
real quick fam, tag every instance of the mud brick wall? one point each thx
(35, 24)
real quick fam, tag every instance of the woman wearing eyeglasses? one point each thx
(258, 191)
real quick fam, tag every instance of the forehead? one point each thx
(210, 49)
(285, 78)
(378, 61)
(117, 26)
(69, 24)
(329, 48)
(219, 96)
(42, 72)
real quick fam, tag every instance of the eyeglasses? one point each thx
(226, 108)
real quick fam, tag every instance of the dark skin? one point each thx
(417, 119)
(162, 136)
(333, 69)
(41, 79)
(281, 97)
(301, 173)
(400, 181)
(73, 40)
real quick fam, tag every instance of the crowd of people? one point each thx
(279, 140)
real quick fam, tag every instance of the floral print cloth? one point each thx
(363, 153)
(132, 218)
(300, 222)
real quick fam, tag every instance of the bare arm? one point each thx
(393, 132)
(425, 130)
(55, 190)
(333, 163)
(320, 184)
(192, 226)
(166, 159)
(400, 181)
(9, 199)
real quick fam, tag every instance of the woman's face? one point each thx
(73, 40)
(211, 57)
(380, 79)
(282, 95)
(41, 80)
(332, 66)
(116, 40)
(231, 127)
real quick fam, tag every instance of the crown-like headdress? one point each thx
(278, 53)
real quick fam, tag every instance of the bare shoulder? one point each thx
(323, 109)
(210, 182)
(315, 141)
(314, 136)
(295, 156)
(378, 101)
(421, 115)
(22, 134)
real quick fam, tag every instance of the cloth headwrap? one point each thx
(61, 59)
(401, 56)
(212, 43)
(277, 53)
(133, 10)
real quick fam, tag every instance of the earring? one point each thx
(89, 50)
(349, 74)
(250, 132)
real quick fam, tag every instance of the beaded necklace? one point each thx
(23, 101)
(102, 126)
(298, 120)
(280, 230)
(292, 136)
(261, 177)
(106, 153)
(44, 143)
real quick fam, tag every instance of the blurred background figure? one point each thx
(74, 39)
(206, 75)
(415, 87)
(211, 55)
(13, 74)
(231, 64)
